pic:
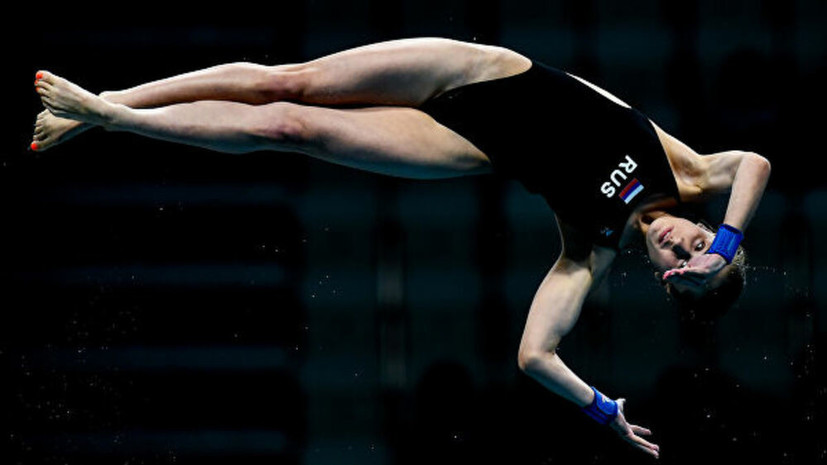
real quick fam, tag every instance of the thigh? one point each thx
(405, 72)
(395, 141)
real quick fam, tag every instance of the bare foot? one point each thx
(70, 101)
(49, 130)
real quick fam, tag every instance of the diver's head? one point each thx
(672, 242)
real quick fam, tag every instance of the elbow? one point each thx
(761, 163)
(533, 360)
(525, 360)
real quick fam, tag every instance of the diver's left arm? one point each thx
(743, 174)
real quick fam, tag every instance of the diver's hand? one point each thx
(632, 433)
(698, 271)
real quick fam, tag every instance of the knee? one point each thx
(280, 126)
(285, 82)
(263, 84)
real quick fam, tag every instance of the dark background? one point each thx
(168, 305)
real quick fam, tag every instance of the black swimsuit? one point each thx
(592, 159)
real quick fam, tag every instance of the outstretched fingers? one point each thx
(686, 276)
(630, 432)
(642, 444)
(640, 430)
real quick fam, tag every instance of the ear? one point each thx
(659, 276)
(669, 288)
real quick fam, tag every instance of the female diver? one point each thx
(437, 108)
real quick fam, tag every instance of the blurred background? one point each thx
(168, 305)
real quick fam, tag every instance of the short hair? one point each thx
(714, 303)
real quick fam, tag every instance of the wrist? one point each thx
(602, 409)
(726, 242)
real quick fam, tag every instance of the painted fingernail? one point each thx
(34, 146)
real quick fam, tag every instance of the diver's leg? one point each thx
(396, 141)
(240, 82)
(402, 72)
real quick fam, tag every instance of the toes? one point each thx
(39, 79)
(43, 118)
(43, 76)
(40, 144)
(44, 83)
(46, 103)
(42, 86)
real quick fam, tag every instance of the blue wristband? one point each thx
(602, 409)
(726, 242)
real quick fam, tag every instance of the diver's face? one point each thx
(672, 242)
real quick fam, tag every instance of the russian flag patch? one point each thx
(631, 191)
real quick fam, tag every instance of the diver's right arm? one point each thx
(553, 313)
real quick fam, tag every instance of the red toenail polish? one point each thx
(39, 75)
(34, 146)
